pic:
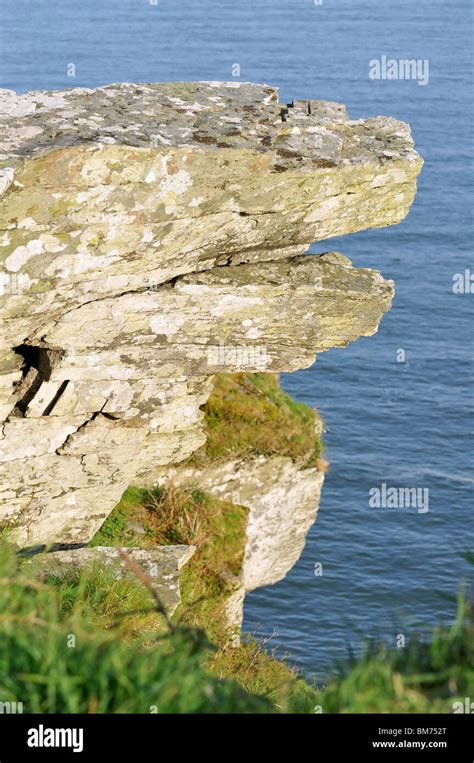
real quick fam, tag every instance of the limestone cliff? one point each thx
(263, 452)
(152, 236)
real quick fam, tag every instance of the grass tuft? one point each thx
(249, 415)
(56, 656)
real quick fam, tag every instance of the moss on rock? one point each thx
(250, 415)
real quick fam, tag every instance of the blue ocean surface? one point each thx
(405, 424)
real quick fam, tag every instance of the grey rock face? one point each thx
(152, 235)
(162, 565)
(282, 498)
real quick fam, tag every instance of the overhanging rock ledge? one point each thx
(151, 236)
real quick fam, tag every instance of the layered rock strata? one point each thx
(152, 236)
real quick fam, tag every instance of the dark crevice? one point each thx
(28, 388)
(86, 423)
(56, 398)
(110, 416)
(41, 548)
(38, 363)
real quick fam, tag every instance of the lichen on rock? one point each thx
(263, 451)
(152, 236)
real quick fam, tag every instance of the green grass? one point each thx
(186, 516)
(258, 668)
(426, 676)
(218, 528)
(250, 415)
(116, 528)
(55, 656)
(106, 601)
(91, 643)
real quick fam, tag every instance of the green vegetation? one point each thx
(250, 415)
(192, 517)
(89, 642)
(259, 670)
(189, 516)
(56, 656)
(118, 527)
(218, 530)
(427, 676)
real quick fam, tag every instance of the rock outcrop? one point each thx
(162, 565)
(282, 498)
(152, 236)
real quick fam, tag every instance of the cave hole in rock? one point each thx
(38, 363)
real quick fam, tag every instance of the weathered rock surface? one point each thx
(150, 236)
(162, 565)
(282, 498)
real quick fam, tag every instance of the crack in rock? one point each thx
(38, 363)
(150, 237)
